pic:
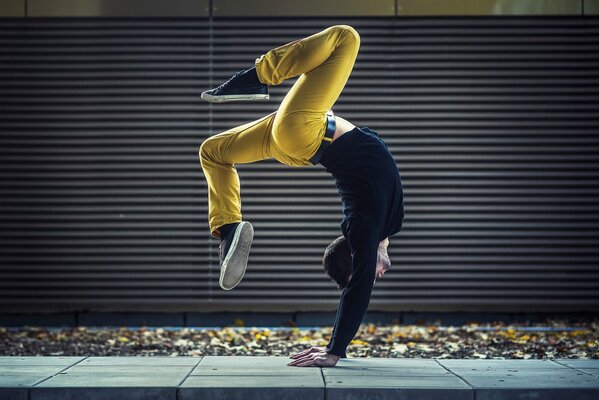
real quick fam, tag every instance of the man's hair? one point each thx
(337, 261)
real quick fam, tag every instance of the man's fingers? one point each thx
(298, 361)
(300, 354)
(305, 352)
(306, 363)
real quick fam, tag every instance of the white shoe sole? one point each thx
(234, 265)
(233, 97)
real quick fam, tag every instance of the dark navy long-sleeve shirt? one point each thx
(371, 191)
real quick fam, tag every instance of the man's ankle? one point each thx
(226, 229)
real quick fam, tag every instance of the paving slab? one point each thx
(104, 393)
(30, 369)
(490, 364)
(536, 394)
(523, 383)
(249, 365)
(13, 393)
(114, 378)
(277, 387)
(590, 367)
(513, 372)
(38, 360)
(17, 374)
(590, 371)
(388, 363)
(577, 363)
(403, 371)
(232, 371)
(22, 380)
(108, 386)
(251, 377)
(141, 360)
(448, 387)
(549, 380)
(245, 362)
(129, 369)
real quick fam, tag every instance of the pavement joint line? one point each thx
(324, 383)
(459, 376)
(187, 375)
(59, 372)
(575, 369)
(52, 376)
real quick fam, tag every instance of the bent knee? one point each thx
(350, 32)
(207, 149)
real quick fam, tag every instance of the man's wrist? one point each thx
(334, 356)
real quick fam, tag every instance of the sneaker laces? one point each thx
(225, 84)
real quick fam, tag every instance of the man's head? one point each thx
(337, 261)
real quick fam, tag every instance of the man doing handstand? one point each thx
(303, 132)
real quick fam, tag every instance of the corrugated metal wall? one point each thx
(494, 124)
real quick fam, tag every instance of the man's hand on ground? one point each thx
(314, 349)
(315, 356)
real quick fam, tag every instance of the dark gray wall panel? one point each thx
(493, 123)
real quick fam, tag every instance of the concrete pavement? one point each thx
(269, 378)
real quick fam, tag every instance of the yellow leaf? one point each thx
(522, 339)
(123, 339)
(359, 342)
(579, 332)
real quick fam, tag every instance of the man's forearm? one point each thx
(356, 296)
(355, 303)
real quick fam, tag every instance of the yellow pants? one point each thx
(293, 133)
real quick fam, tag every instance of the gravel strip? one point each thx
(550, 339)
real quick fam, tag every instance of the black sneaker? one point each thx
(233, 252)
(244, 85)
